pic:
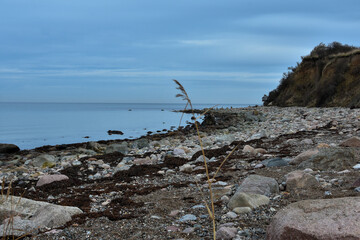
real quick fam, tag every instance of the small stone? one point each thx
(187, 168)
(188, 230)
(76, 163)
(173, 213)
(357, 166)
(307, 141)
(188, 217)
(344, 171)
(198, 206)
(226, 233)
(231, 215)
(107, 202)
(172, 229)
(248, 149)
(105, 166)
(251, 200)
(242, 210)
(351, 142)
(259, 165)
(47, 179)
(179, 152)
(356, 183)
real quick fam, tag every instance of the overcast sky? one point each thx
(224, 51)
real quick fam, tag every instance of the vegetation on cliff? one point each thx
(328, 77)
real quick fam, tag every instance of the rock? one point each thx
(44, 160)
(122, 147)
(242, 210)
(173, 213)
(46, 179)
(179, 152)
(231, 215)
(144, 161)
(260, 185)
(250, 200)
(261, 134)
(201, 159)
(300, 180)
(8, 148)
(173, 229)
(333, 159)
(226, 233)
(34, 215)
(351, 142)
(188, 230)
(187, 168)
(357, 166)
(94, 146)
(187, 218)
(275, 162)
(248, 149)
(307, 141)
(336, 218)
(356, 183)
(141, 143)
(303, 156)
(260, 150)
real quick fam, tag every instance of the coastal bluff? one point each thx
(327, 77)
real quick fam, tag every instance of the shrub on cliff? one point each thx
(328, 76)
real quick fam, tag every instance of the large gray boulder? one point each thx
(337, 159)
(8, 148)
(337, 218)
(30, 216)
(259, 185)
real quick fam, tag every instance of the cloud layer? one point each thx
(128, 51)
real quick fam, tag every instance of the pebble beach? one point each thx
(155, 187)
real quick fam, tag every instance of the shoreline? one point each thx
(146, 174)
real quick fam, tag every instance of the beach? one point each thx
(154, 187)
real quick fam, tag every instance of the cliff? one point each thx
(328, 77)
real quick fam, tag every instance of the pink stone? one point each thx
(226, 233)
(351, 142)
(173, 213)
(303, 156)
(336, 218)
(300, 180)
(46, 179)
(172, 229)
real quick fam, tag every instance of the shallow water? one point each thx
(31, 125)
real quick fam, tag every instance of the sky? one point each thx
(222, 51)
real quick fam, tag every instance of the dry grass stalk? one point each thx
(210, 180)
(9, 225)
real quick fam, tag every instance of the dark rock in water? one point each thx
(8, 148)
(86, 137)
(275, 162)
(110, 132)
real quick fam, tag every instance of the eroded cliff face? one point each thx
(328, 77)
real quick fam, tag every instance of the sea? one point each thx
(31, 125)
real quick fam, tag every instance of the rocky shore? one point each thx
(295, 173)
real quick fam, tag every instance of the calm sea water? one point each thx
(30, 125)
